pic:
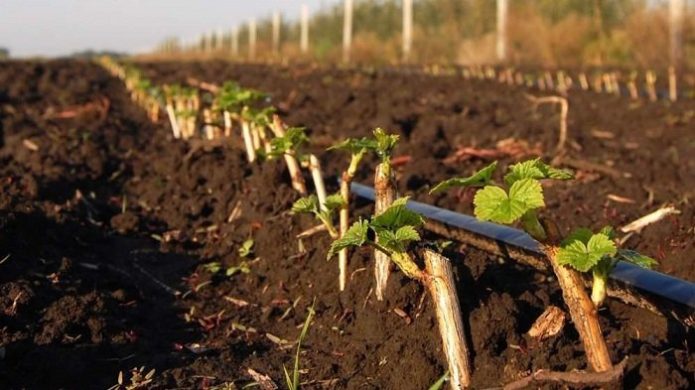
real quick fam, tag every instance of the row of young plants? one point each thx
(393, 231)
(633, 84)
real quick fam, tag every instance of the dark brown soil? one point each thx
(90, 286)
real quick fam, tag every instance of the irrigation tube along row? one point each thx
(653, 282)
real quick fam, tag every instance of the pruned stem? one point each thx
(209, 129)
(385, 194)
(315, 168)
(672, 84)
(442, 286)
(344, 225)
(651, 81)
(227, 123)
(347, 177)
(564, 110)
(255, 136)
(278, 129)
(173, 121)
(583, 313)
(248, 143)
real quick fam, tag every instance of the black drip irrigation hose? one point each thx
(656, 283)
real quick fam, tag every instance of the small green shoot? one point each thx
(597, 253)
(292, 381)
(394, 229)
(310, 205)
(519, 201)
(246, 248)
(439, 384)
(478, 179)
(289, 143)
(243, 268)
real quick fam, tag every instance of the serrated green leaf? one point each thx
(493, 204)
(355, 145)
(356, 235)
(582, 234)
(334, 201)
(478, 179)
(294, 137)
(388, 240)
(396, 216)
(384, 143)
(246, 248)
(407, 233)
(636, 258)
(535, 169)
(583, 257)
(307, 204)
(243, 267)
(608, 231)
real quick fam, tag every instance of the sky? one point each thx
(60, 27)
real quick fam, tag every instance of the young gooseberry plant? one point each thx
(310, 205)
(389, 232)
(289, 143)
(583, 251)
(519, 201)
(597, 253)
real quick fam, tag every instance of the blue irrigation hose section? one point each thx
(657, 283)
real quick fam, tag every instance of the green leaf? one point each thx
(396, 216)
(493, 204)
(356, 235)
(478, 179)
(608, 231)
(243, 267)
(213, 267)
(582, 234)
(407, 233)
(535, 169)
(384, 143)
(388, 240)
(246, 248)
(636, 258)
(307, 204)
(294, 137)
(583, 257)
(439, 384)
(334, 201)
(355, 145)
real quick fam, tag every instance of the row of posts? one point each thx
(676, 28)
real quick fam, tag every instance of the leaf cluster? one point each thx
(586, 251)
(232, 97)
(522, 195)
(294, 137)
(310, 205)
(393, 230)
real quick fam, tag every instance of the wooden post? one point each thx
(347, 30)
(252, 39)
(235, 42)
(676, 10)
(502, 10)
(276, 33)
(442, 287)
(407, 28)
(219, 40)
(672, 84)
(304, 33)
